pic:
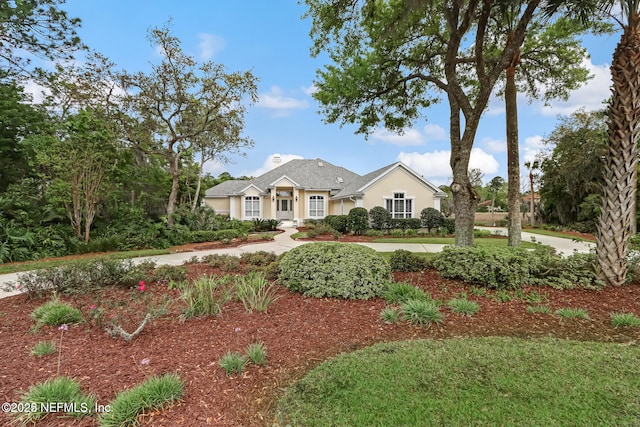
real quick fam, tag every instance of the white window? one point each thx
(316, 206)
(252, 207)
(400, 206)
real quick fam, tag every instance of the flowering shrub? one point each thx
(332, 269)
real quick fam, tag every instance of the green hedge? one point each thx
(212, 236)
(332, 269)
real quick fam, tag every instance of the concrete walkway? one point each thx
(283, 242)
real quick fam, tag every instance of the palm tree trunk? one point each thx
(513, 155)
(616, 219)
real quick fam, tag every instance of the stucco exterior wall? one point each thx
(399, 181)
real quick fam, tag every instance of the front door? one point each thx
(284, 208)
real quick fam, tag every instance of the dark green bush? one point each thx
(403, 260)
(512, 268)
(481, 233)
(380, 218)
(224, 262)
(168, 273)
(494, 268)
(212, 236)
(358, 220)
(331, 269)
(449, 224)
(431, 218)
(337, 222)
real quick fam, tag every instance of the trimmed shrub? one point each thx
(380, 218)
(339, 223)
(403, 260)
(495, 268)
(332, 269)
(512, 268)
(212, 236)
(449, 225)
(358, 220)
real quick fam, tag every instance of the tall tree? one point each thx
(392, 59)
(179, 103)
(549, 65)
(617, 218)
(573, 169)
(77, 163)
(495, 185)
(18, 120)
(37, 27)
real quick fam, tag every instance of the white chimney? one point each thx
(277, 160)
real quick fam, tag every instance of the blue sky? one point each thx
(271, 39)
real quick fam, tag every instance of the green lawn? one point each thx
(480, 241)
(491, 381)
(554, 234)
(37, 265)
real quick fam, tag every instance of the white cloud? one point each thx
(590, 96)
(531, 147)
(268, 164)
(310, 90)
(210, 45)
(435, 133)
(281, 104)
(213, 167)
(435, 165)
(494, 145)
(408, 137)
(37, 91)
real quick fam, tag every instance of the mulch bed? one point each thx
(299, 333)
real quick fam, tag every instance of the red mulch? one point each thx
(298, 332)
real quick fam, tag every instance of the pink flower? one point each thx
(141, 286)
(92, 307)
(63, 327)
(145, 361)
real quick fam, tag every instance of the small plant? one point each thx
(625, 320)
(257, 353)
(166, 273)
(544, 309)
(399, 292)
(463, 306)
(206, 295)
(389, 315)
(255, 292)
(259, 258)
(534, 297)
(55, 313)
(153, 394)
(43, 348)
(59, 389)
(421, 312)
(233, 363)
(403, 260)
(501, 296)
(573, 313)
(478, 291)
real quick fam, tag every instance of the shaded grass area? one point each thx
(42, 264)
(556, 234)
(479, 241)
(471, 381)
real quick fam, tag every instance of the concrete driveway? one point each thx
(283, 242)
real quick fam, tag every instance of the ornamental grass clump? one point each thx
(55, 313)
(153, 394)
(206, 295)
(332, 269)
(399, 292)
(420, 312)
(255, 292)
(60, 390)
(463, 306)
(625, 320)
(233, 363)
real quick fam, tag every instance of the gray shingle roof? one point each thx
(314, 174)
